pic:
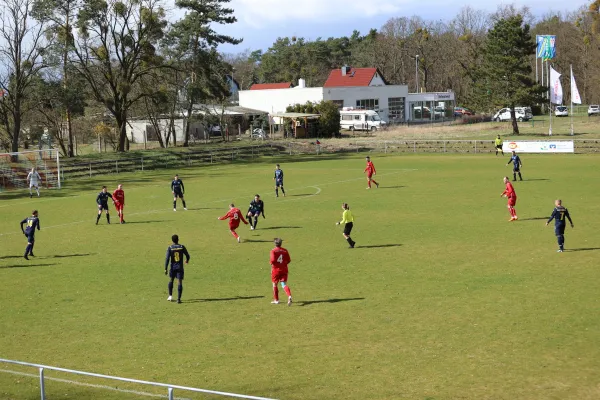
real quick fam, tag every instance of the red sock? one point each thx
(369, 183)
(288, 291)
(275, 293)
(514, 213)
(235, 235)
(121, 216)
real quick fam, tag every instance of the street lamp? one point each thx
(417, 72)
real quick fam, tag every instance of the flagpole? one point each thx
(550, 98)
(571, 113)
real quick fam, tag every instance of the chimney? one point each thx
(301, 83)
(345, 70)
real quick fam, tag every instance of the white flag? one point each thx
(575, 97)
(556, 92)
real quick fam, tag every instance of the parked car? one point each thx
(593, 110)
(522, 114)
(561, 111)
(460, 111)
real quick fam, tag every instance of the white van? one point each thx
(361, 120)
(521, 113)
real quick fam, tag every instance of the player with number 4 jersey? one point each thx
(280, 258)
(235, 216)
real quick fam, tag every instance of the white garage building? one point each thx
(363, 88)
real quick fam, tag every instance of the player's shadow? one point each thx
(146, 222)
(301, 195)
(391, 187)
(378, 246)
(585, 249)
(224, 299)
(204, 208)
(257, 241)
(535, 179)
(534, 219)
(330, 301)
(7, 257)
(25, 266)
(71, 255)
(280, 227)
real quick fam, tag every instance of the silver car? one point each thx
(593, 109)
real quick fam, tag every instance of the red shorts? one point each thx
(369, 175)
(118, 206)
(279, 275)
(512, 201)
(233, 227)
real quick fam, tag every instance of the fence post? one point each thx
(385, 144)
(290, 149)
(414, 146)
(42, 387)
(171, 394)
(476, 147)
(444, 146)
(117, 164)
(90, 169)
(142, 164)
(211, 160)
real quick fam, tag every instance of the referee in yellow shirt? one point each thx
(499, 143)
(348, 220)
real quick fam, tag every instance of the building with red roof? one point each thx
(354, 77)
(269, 86)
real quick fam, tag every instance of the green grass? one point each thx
(442, 299)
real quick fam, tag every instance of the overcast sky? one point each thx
(261, 22)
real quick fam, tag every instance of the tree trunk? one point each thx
(515, 124)
(122, 129)
(71, 152)
(16, 129)
(186, 136)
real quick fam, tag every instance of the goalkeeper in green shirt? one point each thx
(499, 143)
(348, 221)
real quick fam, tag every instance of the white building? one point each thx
(363, 88)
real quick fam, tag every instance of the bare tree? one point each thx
(22, 46)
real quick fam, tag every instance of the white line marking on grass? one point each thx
(91, 385)
(318, 187)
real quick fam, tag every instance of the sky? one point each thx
(261, 22)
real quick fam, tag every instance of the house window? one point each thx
(338, 103)
(368, 104)
(396, 108)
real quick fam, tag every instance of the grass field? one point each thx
(441, 299)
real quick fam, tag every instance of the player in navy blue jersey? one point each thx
(278, 178)
(102, 201)
(257, 207)
(517, 164)
(178, 190)
(558, 215)
(32, 223)
(175, 254)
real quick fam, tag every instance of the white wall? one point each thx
(277, 100)
(136, 129)
(351, 94)
(377, 81)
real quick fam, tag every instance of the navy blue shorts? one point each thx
(30, 238)
(279, 183)
(103, 207)
(559, 230)
(179, 193)
(516, 169)
(176, 272)
(254, 213)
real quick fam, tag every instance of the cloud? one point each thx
(265, 13)
(283, 13)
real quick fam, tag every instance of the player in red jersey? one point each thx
(370, 170)
(280, 258)
(512, 199)
(235, 216)
(119, 199)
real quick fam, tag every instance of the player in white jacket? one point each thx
(34, 180)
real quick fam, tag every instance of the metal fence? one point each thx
(80, 169)
(170, 388)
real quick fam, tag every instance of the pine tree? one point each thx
(505, 78)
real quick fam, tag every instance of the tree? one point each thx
(195, 44)
(21, 49)
(115, 50)
(60, 14)
(504, 78)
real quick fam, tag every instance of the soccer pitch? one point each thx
(442, 298)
